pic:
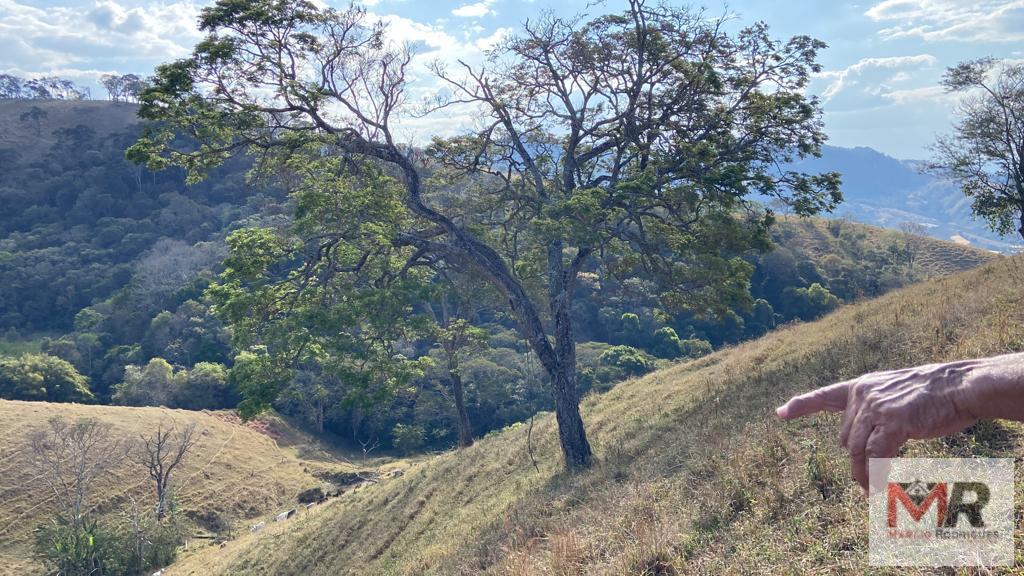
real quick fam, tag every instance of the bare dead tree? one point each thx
(913, 239)
(161, 454)
(69, 457)
(369, 446)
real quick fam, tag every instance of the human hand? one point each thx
(882, 410)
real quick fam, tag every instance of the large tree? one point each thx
(632, 141)
(985, 152)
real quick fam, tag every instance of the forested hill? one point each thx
(80, 222)
(104, 265)
(27, 127)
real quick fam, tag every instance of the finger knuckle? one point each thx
(861, 388)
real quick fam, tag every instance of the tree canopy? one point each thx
(42, 377)
(985, 152)
(628, 142)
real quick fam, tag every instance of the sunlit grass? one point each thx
(236, 474)
(695, 474)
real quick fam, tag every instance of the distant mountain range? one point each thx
(881, 190)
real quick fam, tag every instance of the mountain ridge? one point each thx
(884, 191)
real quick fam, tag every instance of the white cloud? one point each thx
(475, 10)
(84, 39)
(956, 20)
(487, 42)
(922, 93)
(433, 43)
(78, 40)
(865, 74)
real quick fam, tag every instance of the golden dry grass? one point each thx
(695, 474)
(932, 257)
(235, 472)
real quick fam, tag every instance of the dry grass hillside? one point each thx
(820, 238)
(234, 474)
(695, 474)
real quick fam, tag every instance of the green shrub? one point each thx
(695, 347)
(137, 545)
(628, 361)
(666, 344)
(78, 550)
(42, 377)
(407, 439)
(811, 302)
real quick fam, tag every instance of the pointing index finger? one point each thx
(829, 398)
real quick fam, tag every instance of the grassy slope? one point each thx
(234, 471)
(933, 257)
(695, 475)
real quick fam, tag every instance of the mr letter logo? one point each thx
(941, 512)
(918, 497)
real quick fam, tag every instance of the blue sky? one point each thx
(879, 84)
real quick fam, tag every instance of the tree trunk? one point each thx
(161, 502)
(465, 433)
(571, 434)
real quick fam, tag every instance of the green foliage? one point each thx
(407, 439)
(811, 302)
(145, 544)
(330, 291)
(695, 347)
(259, 379)
(151, 385)
(206, 387)
(78, 550)
(762, 318)
(629, 360)
(136, 545)
(78, 216)
(42, 377)
(526, 201)
(666, 343)
(985, 149)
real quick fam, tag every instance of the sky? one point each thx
(879, 85)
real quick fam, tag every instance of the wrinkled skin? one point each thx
(882, 410)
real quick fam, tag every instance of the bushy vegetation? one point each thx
(204, 386)
(42, 377)
(127, 547)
